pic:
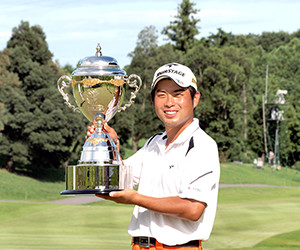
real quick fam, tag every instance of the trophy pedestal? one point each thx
(91, 179)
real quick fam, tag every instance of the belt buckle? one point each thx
(144, 242)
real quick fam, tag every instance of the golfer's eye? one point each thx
(178, 93)
(160, 94)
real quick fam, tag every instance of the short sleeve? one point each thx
(200, 180)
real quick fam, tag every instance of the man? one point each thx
(177, 172)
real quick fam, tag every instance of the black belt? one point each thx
(151, 242)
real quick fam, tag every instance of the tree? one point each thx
(221, 74)
(221, 38)
(183, 29)
(68, 69)
(284, 69)
(39, 130)
(137, 121)
(9, 94)
(140, 121)
(272, 40)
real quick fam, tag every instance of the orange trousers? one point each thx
(160, 246)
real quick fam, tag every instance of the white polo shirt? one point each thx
(188, 168)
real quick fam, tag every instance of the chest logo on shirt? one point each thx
(171, 166)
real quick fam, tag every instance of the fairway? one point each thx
(246, 218)
(45, 226)
(250, 217)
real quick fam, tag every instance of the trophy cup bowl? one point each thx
(98, 90)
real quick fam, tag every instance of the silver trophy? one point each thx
(98, 89)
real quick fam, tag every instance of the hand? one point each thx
(127, 196)
(109, 130)
(91, 129)
(112, 133)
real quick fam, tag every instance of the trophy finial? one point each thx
(98, 49)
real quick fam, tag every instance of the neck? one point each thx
(174, 132)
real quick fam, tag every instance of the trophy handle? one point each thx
(134, 81)
(62, 83)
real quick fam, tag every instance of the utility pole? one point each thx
(264, 102)
(276, 146)
(245, 117)
(264, 122)
(267, 78)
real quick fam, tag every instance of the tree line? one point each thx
(38, 131)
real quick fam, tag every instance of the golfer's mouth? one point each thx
(170, 113)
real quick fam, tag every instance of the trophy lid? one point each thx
(98, 65)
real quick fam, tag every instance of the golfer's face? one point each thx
(173, 104)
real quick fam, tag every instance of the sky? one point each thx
(74, 28)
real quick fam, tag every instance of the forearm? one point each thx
(174, 206)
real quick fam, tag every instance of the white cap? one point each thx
(179, 73)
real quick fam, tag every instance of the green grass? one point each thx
(126, 149)
(252, 219)
(247, 218)
(246, 174)
(290, 240)
(15, 187)
(46, 226)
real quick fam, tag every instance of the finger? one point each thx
(106, 127)
(113, 194)
(91, 126)
(110, 130)
(117, 194)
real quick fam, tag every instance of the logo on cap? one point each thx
(172, 64)
(171, 71)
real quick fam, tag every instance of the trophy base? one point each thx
(88, 191)
(91, 179)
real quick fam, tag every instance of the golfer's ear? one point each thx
(196, 99)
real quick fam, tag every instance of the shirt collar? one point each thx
(185, 135)
(187, 132)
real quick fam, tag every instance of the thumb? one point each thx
(113, 194)
(106, 126)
